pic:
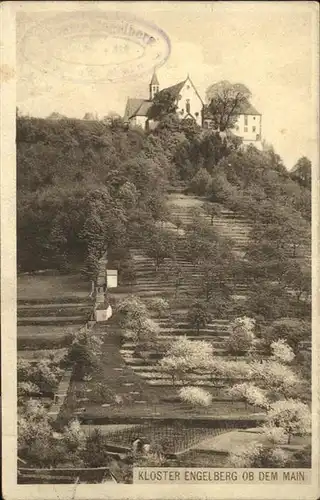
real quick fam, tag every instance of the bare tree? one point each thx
(225, 101)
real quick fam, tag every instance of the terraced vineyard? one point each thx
(150, 283)
(50, 308)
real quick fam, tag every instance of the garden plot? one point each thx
(41, 354)
(172, 438)
(52, 287)
(34, 337)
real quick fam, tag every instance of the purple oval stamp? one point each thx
(95, 47)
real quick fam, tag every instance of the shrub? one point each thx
(258, 455)
(241, 335)
(291, 415)
(282, 351)
(195, 396)
(159, 305)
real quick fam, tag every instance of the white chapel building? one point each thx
(191, 106)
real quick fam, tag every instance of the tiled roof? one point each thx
(246, 108)
(144, 108)
(136, 107)
(154, 79)
(174, 90)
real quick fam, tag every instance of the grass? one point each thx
(44, 331)
(37, 337)
(50, 287)
(40, 354)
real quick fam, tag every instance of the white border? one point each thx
(8, 281)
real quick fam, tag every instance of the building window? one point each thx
(254, 117)
(196, 114)
(246, 120)
(188, 105)
(246, 129)
(254, 129)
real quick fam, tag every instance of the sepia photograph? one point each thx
(164, 160)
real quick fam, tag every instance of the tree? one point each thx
(84, 353)
(159, 305)
(212, 209)
(277, 379)
(26, 390)
(95, 453)
(163, 104)
(130, 311)
(195, 396)
(250, 394)
(174, 271)
(199, 184)
(183, 356)
(226, 100)
(292, 330)
(282, 352)
(241, 335)
(257, 455)
(146, 337)
(159, 244)
(127, 273)
(291, 415)
(268, 301)
(198, 315)
(33, 426)
(73, 436)
(302, 171)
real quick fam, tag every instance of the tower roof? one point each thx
(154, 79)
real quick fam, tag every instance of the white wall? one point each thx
(248, 127)
(188, 92)
(138, 121)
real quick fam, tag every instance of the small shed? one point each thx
(112, 278)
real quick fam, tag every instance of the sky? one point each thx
(271, 47)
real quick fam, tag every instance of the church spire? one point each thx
(153, 86)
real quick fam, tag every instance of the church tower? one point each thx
(153, 86)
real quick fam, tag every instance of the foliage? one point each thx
(195, 396)
(79, 185)
(276, 378)
(84, 353)
(199, 184)
(74, 437)
(250, 394)
(159, 305)
(302, 171)
(198, 315)
(34, 428)
(95, 452)
(292, 330)
(159, 244)
(241, 335)
(291, 415)
(225, 103)
(25, 390)
(45, 375)
(163, 105)
(282, 352)
(185, 355)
